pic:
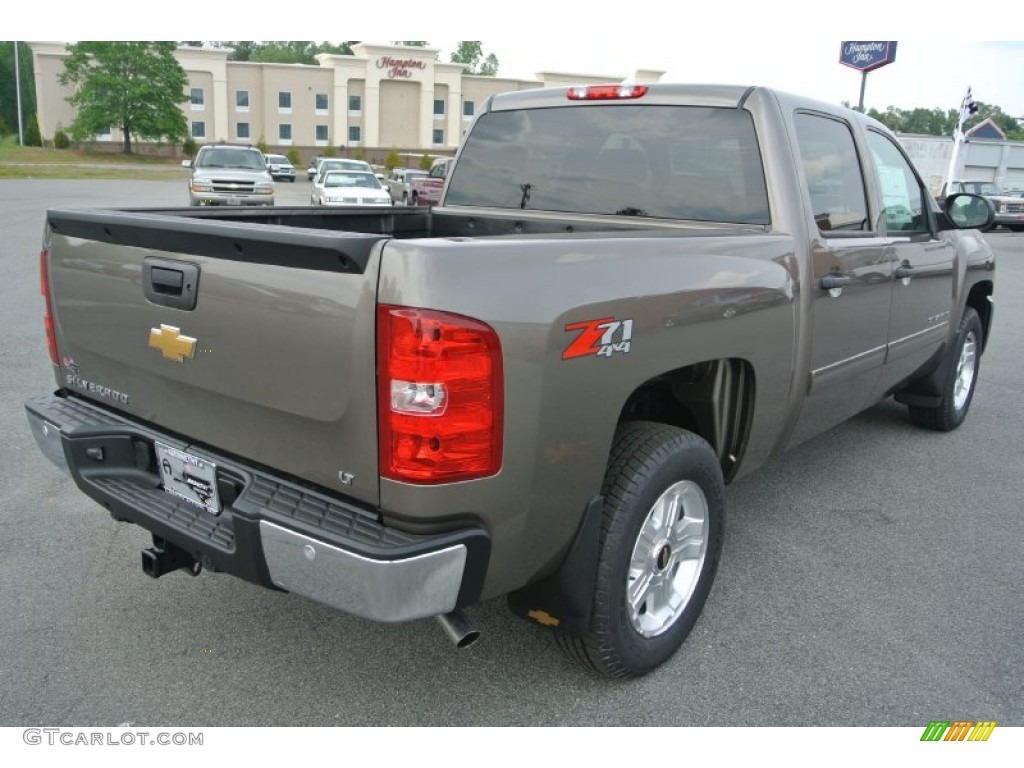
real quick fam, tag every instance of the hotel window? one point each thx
(438, 136)
(242, 130)
(242, 101)
(197, 99)
(321, 103)
(321, 135)
(468, 109)
(353, 134)
(284, 101)
(438, 107)
(104, 134)
(198, 129)
(355, 105)
(284, 133)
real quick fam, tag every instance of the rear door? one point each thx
(254, 340)
(851, 287)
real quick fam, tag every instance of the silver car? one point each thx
(228, 174)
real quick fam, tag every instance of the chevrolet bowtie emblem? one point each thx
(171, 343)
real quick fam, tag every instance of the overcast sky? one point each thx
(792, 45)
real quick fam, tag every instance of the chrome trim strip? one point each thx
(848, 368)
(932, 335)
(382, 590)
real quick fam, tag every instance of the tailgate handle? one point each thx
(170, 283)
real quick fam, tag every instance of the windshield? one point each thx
(983, 188)
(344, 165)
(231, 158)
(696, 163)
(351, 179)
(277, 159)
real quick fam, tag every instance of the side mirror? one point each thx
(969, 211)
(186, 163)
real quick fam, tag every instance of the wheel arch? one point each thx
(980, 300)
(713, 399)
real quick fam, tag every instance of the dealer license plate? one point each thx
(188, 477)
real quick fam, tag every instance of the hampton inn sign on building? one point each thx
(381, 96)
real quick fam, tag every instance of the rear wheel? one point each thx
(958, 389)
(661, 537)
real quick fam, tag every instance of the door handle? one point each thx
(904, 270)
(829, 282)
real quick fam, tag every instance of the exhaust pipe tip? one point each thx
(460, 630)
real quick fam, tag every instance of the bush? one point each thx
(425, 162)
(189, 147)
(261, 145)
(61, 140)
(392, 161)
(330, 152)
(294, 157)
(359, 154)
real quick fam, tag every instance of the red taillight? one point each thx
(439, 396)
(604, 92)
(44, 287)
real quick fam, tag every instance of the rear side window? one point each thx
(695, 163)
(832, 170)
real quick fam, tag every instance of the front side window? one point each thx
(197, 98)
(903, 195)
(832, 170)
(198, 129)
(438, 107)
(242, 101)
(242, 130)
(284, 101)
(691, 163)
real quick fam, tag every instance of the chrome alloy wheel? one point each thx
(667, 558)
(965, 369)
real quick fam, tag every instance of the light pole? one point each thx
(17, 90)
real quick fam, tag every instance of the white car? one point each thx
(349, 188)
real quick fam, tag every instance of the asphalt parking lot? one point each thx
(873, 576)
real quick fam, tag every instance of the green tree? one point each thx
(281, 51)
(425, 162)
(392, 161)
(294, 157)
(9, 90)
(470, 53)
(136, 86)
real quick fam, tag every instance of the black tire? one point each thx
(415, 199)
(961, 378)
(647, 461)
(405, 198)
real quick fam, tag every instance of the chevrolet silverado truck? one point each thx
(626, 298)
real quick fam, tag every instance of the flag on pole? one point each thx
(967, 108)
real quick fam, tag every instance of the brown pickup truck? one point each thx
(627, 297)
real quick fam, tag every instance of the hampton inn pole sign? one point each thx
(867, 57)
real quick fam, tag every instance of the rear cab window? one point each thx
(670, 162)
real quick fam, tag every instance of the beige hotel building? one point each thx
(381, 96)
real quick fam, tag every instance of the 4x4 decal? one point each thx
(603, 337)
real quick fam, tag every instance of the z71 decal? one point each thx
(603, 338)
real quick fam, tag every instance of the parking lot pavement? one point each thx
(872, 576)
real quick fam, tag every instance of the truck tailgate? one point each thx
(275, 361)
